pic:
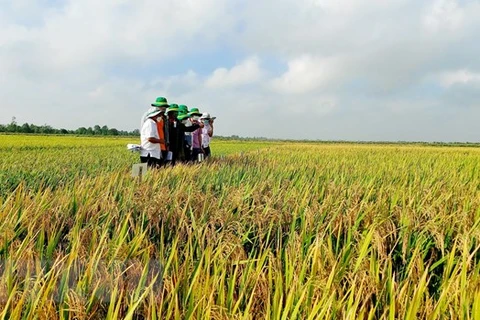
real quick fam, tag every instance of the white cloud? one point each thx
(343, 69)
(312, 106)
(95, 32)
(448, 79)
(307, 73)
(246, 72)
(177, 83)
(444, 15)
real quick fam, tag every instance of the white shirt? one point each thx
(149, 130)
(205, 137)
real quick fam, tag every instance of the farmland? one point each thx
(266, 231)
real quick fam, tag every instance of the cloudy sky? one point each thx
(301, 69)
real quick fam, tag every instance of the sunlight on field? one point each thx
(264, 230)
(54, 161)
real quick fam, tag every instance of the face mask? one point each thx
(196, 118)
(184, 121)
(206, 121)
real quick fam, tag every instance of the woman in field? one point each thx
(196, 134)
(184, 118)
(207, 132)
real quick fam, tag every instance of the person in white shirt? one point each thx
(207, 133)
(150, 152)
(160, 102)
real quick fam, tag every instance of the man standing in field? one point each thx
(150, 140)
(184, 118)
(160, 102)
(162, 126)
(177, 131)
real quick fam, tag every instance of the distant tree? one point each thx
(97, 130)
(26, 128)
(104, 130)
(81, 130)
(46, 129)
(113, 132)
(12, 126)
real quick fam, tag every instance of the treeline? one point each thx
(13, 127)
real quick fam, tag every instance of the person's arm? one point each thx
(152, 133)
(155, 140)
(192, 128)
(210, 131)
(200, 141)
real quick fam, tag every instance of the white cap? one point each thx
(153, 111)
(205, 115)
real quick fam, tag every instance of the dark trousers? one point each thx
(174, 157)
(195, 153)
(150, 161)
(164, 161)
(207, 152)
(188, 153)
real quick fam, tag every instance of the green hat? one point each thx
(160, 102)
(183, 108)
(183, 116)
(195, 112)
(173, 107)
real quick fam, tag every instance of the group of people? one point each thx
(171, 133)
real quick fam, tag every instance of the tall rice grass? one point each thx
(283, 231)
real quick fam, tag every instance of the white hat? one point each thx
(153, 111)
(205, 115)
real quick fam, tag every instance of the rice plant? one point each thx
(265, 231)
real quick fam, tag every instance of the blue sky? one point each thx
(310, 69)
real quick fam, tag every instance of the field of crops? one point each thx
(265, 231)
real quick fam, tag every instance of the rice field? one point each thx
(262, 231)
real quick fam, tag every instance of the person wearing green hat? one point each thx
(162, 126)
(184, 118)
(197, 134)
(182, 108)
(177, 131)
(150, 151)
(160, 102)
(195, 114)
(187, 121)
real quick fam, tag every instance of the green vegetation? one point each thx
(28, 128)
(279, 231)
